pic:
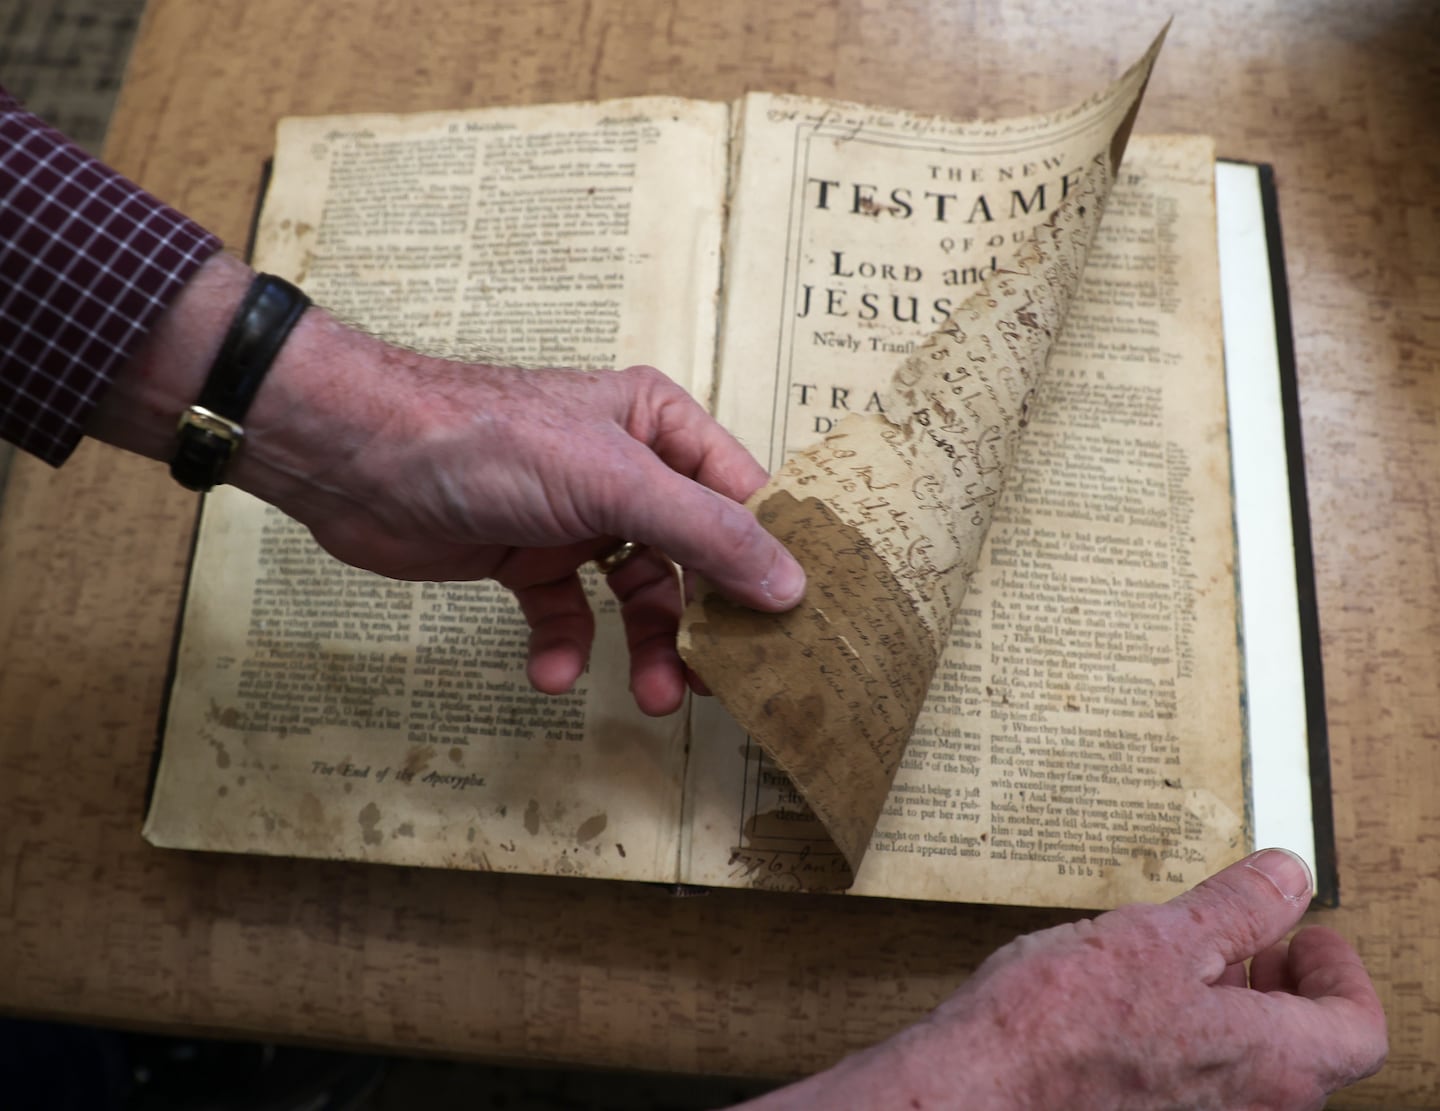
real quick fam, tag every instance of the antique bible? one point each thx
(1052, 686)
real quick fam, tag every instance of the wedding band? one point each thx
(617, 555)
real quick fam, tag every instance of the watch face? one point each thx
(201, 454)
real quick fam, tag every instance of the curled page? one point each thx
(888, 514)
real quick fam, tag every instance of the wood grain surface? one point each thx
(94, 924)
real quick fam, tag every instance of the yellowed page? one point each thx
(1082, 742)
(323, 711)
(888, 511)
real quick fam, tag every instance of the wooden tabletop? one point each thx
(96, 925)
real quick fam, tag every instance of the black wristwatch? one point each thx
(210, 431)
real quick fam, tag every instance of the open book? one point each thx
(1083, 741)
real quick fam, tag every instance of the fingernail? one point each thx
(1289, 874)
(786, 581)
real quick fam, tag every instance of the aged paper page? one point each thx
(323, 711)
(889, 511)
(1081, 744)
(1101, 632)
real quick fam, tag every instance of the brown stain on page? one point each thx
(311, 812)
(418, 760)
(370, 824)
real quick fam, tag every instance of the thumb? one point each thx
(1242, 910)
(708, 533)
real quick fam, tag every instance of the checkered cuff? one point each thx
(88, 261)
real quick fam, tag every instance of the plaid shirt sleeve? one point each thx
(88, 262)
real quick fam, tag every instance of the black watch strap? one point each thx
(210, 431)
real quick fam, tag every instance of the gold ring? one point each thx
(617, 555)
